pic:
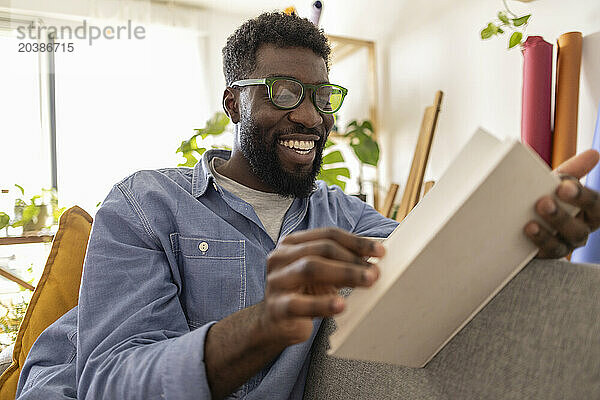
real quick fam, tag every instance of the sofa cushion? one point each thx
(56, 293)
(539, 338)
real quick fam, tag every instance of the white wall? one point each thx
(421, 47)
(481, 79)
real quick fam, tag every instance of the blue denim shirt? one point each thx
(170, 254)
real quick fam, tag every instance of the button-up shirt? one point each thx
(170, 254)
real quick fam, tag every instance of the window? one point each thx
(125, 105)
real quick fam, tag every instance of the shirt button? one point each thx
(203, 246)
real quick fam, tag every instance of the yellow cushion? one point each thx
(56, 293)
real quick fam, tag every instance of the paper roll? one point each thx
(315, 14)
(590, 253)
(537, 95)
(568, 66)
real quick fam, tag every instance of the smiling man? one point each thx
(212, 281)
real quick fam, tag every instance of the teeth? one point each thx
(303, 145)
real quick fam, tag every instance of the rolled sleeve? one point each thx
(181, 381)
(133, 338)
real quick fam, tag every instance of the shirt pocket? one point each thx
(213, 277)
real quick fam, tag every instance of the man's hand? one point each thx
(569, 232)
(304, 273)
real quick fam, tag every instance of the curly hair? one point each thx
(279, 29)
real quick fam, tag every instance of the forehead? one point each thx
(297, 62)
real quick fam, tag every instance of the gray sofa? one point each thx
(539, 338)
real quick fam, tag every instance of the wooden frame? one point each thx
(343, 47)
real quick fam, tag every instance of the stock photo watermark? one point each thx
(46, 34)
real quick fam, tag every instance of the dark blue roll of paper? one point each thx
(590, 253)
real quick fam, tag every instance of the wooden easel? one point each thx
(412, 192)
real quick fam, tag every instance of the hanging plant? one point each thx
(507, 21)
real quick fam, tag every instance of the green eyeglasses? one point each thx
(288, 93)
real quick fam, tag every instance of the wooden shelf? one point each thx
(26, 239)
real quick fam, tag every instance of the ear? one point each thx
(231, 104)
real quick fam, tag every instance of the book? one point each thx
(448, 258)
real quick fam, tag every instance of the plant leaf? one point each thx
(333, 157)
(502, 17)
(515, 39)
(521, 20)
(331, 176)
(190, 160)
(366, 150)
(486, 33)
(30, 212)
(489, 31)
(367, 125)
(21, 189)
(4, 220)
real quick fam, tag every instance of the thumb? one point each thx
(579, 165)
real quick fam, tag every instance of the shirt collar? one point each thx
(202, 174)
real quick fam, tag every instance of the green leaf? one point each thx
(190, 160)
(515, 39)
(486, 33)
(367, 125)
(4, 220)
(333, 157)
(500, 30)
(521, 20)
(502, 17)
(329, 143)
(489, 31)
(331, 176)
(21, 189)
(221, 147)
(366, 149)
(30, 212)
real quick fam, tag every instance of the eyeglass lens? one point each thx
(287, 93)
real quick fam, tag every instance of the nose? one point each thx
(306, 114)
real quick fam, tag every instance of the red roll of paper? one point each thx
(537, 96)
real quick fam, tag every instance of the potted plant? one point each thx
(35, 214)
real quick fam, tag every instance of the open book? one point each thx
(448, 258)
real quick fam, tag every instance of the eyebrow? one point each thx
(287, 76)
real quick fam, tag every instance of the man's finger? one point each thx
(327, 248)
(571, 230)
(294, 305)
(588, 200)
(321, 271)
(550, 246)
(363, 247)
(579, 165)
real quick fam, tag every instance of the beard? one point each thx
(261, 154)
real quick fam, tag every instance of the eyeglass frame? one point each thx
(268, 82)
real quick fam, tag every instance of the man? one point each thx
(212, 282)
